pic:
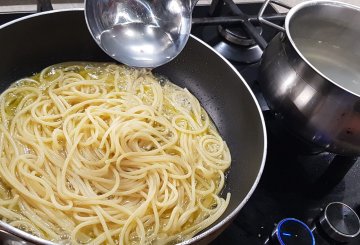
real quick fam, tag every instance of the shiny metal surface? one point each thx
(9, 239)
(14, 236)
(340, 222)
(267, 22)
(311, 74)
(140, 33)
(237, 35)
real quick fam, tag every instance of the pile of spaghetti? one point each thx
(105, 154)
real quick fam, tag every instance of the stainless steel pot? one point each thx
(310, 74)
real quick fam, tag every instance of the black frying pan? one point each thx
(30, 44)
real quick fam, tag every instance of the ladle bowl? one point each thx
(140, 33)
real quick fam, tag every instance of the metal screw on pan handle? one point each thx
(262, 10)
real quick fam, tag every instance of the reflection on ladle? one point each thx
(140, 33)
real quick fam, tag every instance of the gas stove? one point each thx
(305, 195)
(298, 182)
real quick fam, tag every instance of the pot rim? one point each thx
(310, 3)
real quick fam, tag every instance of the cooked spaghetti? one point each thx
(106, 154)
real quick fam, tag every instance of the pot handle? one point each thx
(269, 23)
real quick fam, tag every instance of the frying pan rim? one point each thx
(14, 231)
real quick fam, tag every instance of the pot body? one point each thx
(306, 81)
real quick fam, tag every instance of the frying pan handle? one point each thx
(269, 23)
(44, 5)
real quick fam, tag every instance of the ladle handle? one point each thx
(269, 23)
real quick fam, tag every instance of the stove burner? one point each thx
(237, 35)
(233, 52)
(222, 25)
(238, 46)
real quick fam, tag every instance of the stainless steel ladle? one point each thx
(140, 33)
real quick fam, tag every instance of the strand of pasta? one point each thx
(104, 154)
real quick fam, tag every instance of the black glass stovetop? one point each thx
(289, 187)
